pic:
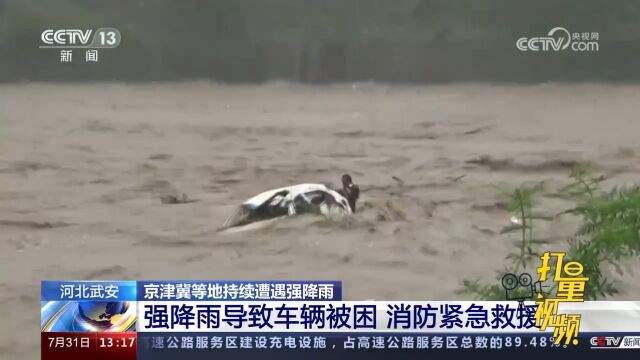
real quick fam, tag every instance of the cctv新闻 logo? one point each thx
(559, 39)
(66, 37)
(605, 341)
(87, 38)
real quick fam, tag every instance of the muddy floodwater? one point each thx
(85, 171)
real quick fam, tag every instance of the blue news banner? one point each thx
(308, 319)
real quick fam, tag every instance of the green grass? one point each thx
(608, 234)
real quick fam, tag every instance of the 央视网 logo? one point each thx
(559, 39)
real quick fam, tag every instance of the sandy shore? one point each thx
(83, 167)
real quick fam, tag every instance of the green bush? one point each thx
(609, 232)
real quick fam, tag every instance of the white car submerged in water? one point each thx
(296, 200)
